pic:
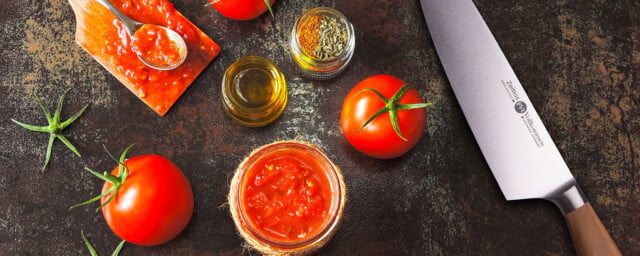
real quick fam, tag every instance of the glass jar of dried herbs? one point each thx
(322, 42)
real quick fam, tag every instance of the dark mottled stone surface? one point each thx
(578, 61)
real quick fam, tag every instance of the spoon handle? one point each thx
(129, 24)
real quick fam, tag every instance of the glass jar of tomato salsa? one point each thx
(287, 198)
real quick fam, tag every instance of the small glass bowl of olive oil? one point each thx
(254, 91)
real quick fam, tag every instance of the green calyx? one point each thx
(115, 180)
(55, 127)
(211, 3)
(93, 252)
(392, 106)
(269, 7)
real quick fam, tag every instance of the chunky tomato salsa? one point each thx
(154, 45)
(287, 196)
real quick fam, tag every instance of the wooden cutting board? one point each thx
(100, 34)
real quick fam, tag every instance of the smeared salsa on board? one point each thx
(105, 38)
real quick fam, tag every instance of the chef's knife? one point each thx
(516, 145)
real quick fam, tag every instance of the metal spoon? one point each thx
(132, 26)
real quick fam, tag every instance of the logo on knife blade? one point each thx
(520, 107)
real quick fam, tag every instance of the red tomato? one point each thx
(241, 9)
(152, 205)
(378, 138)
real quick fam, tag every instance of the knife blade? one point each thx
(516, 145)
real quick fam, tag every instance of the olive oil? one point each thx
(253, 87)
(254, 91)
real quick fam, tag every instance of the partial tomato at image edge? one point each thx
(242, 9)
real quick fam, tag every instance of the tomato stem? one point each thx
(115, 180)
(55, 127)
(93, 252)
(392, 106)
(210, 3)
(269, 7)
(122, 168)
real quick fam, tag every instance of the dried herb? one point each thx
(323, 37)
(308, 35)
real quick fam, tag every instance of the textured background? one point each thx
(578, 61)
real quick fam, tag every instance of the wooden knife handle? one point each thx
(589, 236)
